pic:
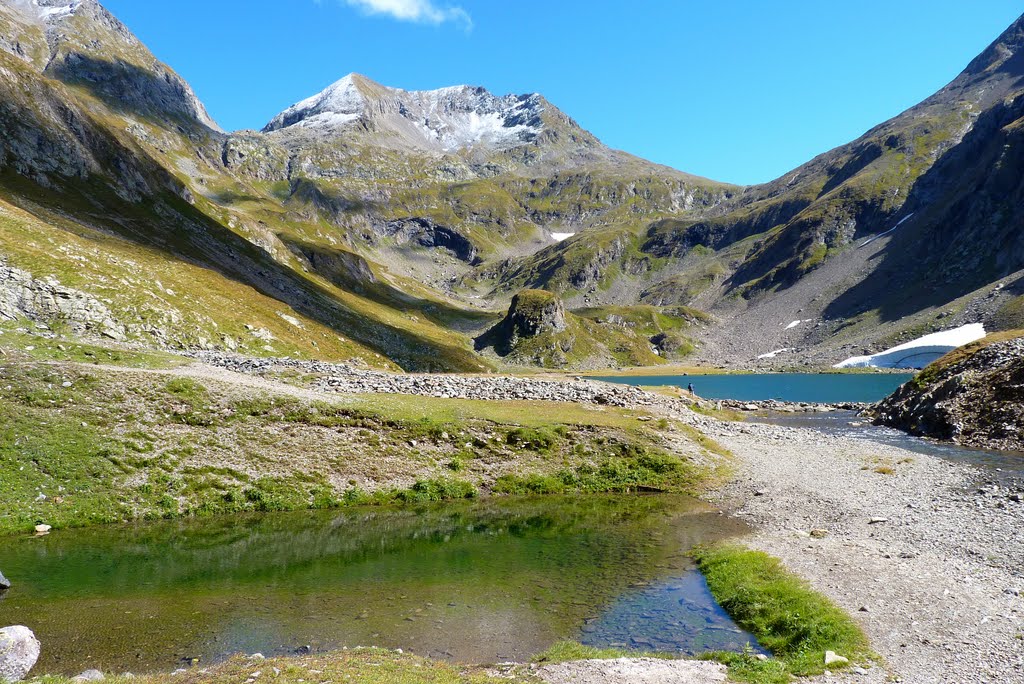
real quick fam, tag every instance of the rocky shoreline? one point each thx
(925, 553)
(776, 406)
(976, 399)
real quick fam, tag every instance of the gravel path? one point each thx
(929, 563)
(633, 671)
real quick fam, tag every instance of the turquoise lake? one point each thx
(823, 388)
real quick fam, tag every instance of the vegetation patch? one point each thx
(636, 468)
(81, 445)
(364, 665)
(786, 616)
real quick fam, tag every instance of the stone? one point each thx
(875, 521)
(833, 659)
(19, 651)
(89, 676)
(819, 533)
(5, 583)
(43, 529)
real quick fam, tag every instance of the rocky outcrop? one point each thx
(426, 233)
(531, 314)
(5, 583)
(47, 301)
(19, 651)
(973, 396)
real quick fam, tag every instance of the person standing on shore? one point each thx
(690, 388)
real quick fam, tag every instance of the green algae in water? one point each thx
(475, 582)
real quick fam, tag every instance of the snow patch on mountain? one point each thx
(447, 119)
(48, 10)
(773, 354)
(920, 352)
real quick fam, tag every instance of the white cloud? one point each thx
(421, 11)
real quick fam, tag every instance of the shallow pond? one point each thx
(824, 388)
(477, 582)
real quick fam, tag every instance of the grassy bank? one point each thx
(364, 665)
(81, 445)
(797, 624)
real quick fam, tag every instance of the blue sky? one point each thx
(738, 91)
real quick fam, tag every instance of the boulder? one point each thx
(833, 659)
(5, 583)
(19, 651)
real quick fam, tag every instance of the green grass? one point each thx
(785, 615)
(70, 348)
(636, 468)
(1009, 316)
(364, 665)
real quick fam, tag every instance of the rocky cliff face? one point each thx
(48, 302)
(80, 43)
(974, 396)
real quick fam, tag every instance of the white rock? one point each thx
(19, 651)
(89, 676)
(833, 658)
(43, 529)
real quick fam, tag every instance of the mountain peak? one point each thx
(442, 120)
(336, 105)
(1004, 53)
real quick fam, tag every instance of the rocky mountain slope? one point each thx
(973, 396)
(395, 226)
(928, 201)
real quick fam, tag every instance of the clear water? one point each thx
(1002, 464)
(475, 582)
(824, 388)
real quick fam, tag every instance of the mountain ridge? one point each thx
(415, 216)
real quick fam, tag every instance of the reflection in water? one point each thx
(477, 582)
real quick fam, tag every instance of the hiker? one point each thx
(690, 387)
